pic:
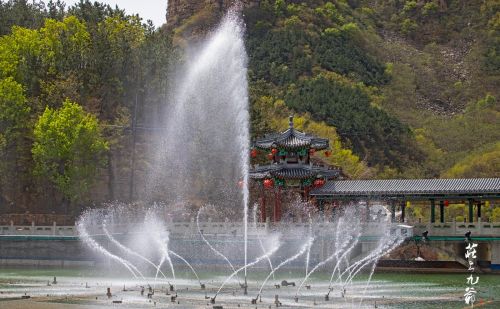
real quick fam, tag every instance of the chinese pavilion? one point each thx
(290, 167)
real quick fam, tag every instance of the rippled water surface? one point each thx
(82, 287)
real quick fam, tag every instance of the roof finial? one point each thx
(290, 121)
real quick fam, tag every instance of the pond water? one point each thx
(84, 287)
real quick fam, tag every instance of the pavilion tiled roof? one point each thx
(288, 172)
(292, 139)
(392, 187)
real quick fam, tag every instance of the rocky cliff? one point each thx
(180, 11)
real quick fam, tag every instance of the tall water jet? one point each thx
(204, 152)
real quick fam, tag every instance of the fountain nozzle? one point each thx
(244, 287)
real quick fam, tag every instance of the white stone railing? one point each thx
(458, 228)
(236, 228)
(191, 228)
(34, 230)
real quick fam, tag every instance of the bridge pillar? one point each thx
(393, 211)
(263, 213)
(441, 211)
(335, 210)
(478, 211)
(433, 210)
(367, 211)
(471, 210)
(321, 207)
(277, 205)
(403, 211)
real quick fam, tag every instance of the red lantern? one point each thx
(319, 182)
(328, 153)
(241, 183)
(268, 183)
(312, 151)
(274, 151)
(446, 203)
(270, 156)
(253, 153)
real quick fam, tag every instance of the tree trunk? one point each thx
(443, 5)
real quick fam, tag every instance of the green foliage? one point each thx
(483, 164)
(338, 47)
(313, 57)
(361, 73)
(492, 55)
(338, 51)
(408, 26)
(68, 149)
(429, 8)
(410, 5)
(495, 215)
(477, 126)
(26, 14)
(13, 111)
(373, 134)
(18, 52)
(64, 45)
(92, 54)
(435, 87)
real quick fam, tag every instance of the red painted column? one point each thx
(263, 213)
(275, 210)
(279, 204)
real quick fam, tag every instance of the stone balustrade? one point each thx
(187, 229)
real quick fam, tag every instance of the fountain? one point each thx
(201, 257)
(208, 120)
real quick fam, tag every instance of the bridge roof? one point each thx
(410, 187)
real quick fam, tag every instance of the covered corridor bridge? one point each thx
(475, 191)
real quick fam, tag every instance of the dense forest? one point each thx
(401, 88)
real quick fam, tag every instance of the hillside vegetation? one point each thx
(73, 82)
(401, 88)
(410, 86)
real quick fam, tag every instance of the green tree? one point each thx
(28, 14)
(485, 163)
(13, 109)
(68, 149)
(495, 214)
(64, 45)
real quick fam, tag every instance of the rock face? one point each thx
(181, 10)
